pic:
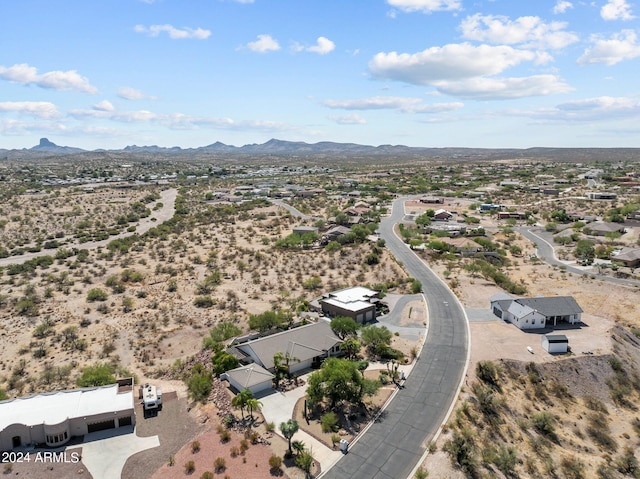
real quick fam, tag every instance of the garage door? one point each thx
(101, 426)
(125, 421)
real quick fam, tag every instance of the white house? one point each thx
(358, 303)
(555, 343)
(52, 419)
(536, 313)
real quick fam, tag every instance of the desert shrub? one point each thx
(461, 450)
(234, 451)
(207, 475)
(488, 372)
(189, 467)
(270, 426)
(225, 436)
(199, 384)
(96, 375)
(329, 422)
(572, 468)
(304, 461)
(195, 447)
(544, 423)
(595, 404)
(275, 463)
(421, 473)
(598, 431)
(506, 460)
(628, 463)
(244, 445)
(219, 465)
(97, 294)
(205, 301)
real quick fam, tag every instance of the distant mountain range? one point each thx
(299, 149)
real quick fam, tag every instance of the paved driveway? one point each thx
(104, 453)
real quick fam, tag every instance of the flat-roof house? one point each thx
(303, 230)
(303, 346)
(536, 313)
(601, 195)
(358, 303)
(53, 418)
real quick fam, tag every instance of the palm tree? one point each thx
(241, 399)
(298, 446)
(253, 405)
(288, 429)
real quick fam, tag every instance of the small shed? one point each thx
(555, 343)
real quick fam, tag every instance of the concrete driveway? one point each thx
(105, 452)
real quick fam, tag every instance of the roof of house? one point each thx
(56, 407)
(631, 255)
(302, 343)
(548, 306)
(249, 375)
(552, 305)
(606, 227)
(557, 338)
(351, 299)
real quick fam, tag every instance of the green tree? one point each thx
(375, 336)
(223, 362)
(240, 400)
(339, 380)
(220, 333)
(416, 286)
(350, 347)
(344, 327)
(97, 294)
(585, 251)
(199, 383)
(267, 320)
(253, 405)
(288, 429)
(96, 375)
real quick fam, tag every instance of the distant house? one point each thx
(601, 228)
(336, 231)
(518, 215)
(536, 313)
(358, 303)
(53, 418)
(304, 346)
(442, 215)
(303, 230)
(631, 258)
(555, 343)
(601, 195)
(432, 200)
(463, 246)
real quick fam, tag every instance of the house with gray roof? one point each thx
(601, 228)
(304, 346)
(630, 258)
(251, 376)
(536, 313)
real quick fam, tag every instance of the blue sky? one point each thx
(500, 73)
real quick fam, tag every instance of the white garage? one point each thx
(253, 377)
(555, 343)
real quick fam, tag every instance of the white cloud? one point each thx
(323, 46)
(602, 108)
(616, 10)
(621, 46)
(264, 43)
(104, 105)
(351, 119)
(173, 32)
(483, 88)
(562, 6)
(425, 6)
(41, 109)
(526, 31)
(450, 62)
(404, 104)
(54, 80)
(129, 93)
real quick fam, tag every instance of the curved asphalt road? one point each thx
(544, 245)
(393, 446)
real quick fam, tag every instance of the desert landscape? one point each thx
(179, 260)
